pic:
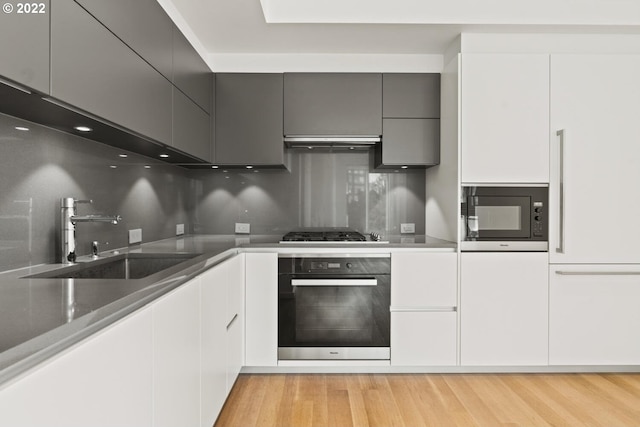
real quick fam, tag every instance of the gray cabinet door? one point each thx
(411, 95)
(141, 24)
(332, 104)
(411, 123)
(24, 43)
(191, 127)
(409, 142)
(93, 70)
(249, 119)
(190, 73)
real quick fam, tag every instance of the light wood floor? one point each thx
(337, 400)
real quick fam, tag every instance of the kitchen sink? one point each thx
(126, 266)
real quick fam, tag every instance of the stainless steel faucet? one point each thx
(69, 219)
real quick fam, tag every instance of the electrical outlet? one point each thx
(243, 228)
(135, 236)
(407, 228)
(179, 229)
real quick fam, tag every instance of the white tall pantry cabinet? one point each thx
(594, 251)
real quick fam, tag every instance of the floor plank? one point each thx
(369, 400)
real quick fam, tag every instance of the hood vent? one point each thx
(345, 142)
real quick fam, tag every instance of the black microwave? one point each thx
(505, 218)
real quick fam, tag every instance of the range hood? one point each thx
(332, 141)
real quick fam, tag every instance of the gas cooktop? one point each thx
(328, 235)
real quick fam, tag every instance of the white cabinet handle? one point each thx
(232, 320)
(560, 249)
(598, 273)
(423, 309)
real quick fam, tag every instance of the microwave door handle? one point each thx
(561, 195)
(334, 282)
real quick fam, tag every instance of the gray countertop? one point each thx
(41, 317)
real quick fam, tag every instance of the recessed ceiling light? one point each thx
(404, 167)
(113, 166)
(310, 148)
(249, 167)
(147, 167)
(214, 167)
(164, 156)
(83, 128)
(22, 128)
(124, 156)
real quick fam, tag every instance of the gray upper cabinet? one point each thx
(248, 128)
(24, 43)
(142, 24)
(411, 95)
(190, 73)
(191, 127)
(411, 123)
(409, 142)
(93, 70)
(332, 104)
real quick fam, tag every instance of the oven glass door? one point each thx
(330, 311)
(499, 218)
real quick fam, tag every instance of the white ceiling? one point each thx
(414, 27)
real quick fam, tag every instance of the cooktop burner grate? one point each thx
(324, 236)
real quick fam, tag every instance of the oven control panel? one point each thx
(322, 265)
(335, 265)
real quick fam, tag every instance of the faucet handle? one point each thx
(70, 202)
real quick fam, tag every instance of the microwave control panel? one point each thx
(537, 224)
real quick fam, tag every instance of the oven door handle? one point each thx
(334, 282)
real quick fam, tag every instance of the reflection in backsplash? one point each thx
(321, 190)
(39, 166)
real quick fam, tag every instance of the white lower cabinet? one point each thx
(213, 334)
(423, 304)
(594, 315)
(104, 381)
(423, 338)
(504, 308)
(170, 364)
(234, 322)
(261, 328)
(222, 314)
(176, 357)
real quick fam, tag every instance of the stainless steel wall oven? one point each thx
(334, 307)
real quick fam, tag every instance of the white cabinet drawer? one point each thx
(423, 279)
(421, 338)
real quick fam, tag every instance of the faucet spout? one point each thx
(113, 219)
(69, 219)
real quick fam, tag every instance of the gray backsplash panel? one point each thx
(42, 165)
(320, 190)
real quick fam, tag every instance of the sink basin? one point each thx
(126, 266)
